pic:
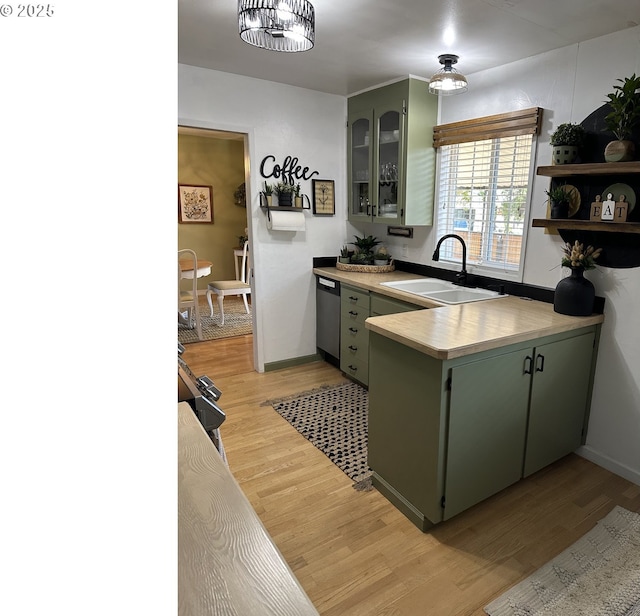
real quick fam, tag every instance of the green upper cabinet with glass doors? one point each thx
(391, 159)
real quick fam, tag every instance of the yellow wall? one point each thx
(218, 163)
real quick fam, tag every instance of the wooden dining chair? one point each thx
(188, 289)
(230, 287)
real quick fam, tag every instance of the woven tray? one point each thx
(369, 269)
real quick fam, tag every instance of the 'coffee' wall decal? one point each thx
(288, 172)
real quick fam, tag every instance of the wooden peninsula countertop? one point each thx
(450, 331)
(228, 564)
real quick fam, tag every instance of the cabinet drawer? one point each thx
(354, 298)
(355, 368)
(354, 340)
(385, 305)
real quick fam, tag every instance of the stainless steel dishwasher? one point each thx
(328, 319)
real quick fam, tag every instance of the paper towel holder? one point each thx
(282, 208)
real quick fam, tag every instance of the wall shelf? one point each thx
(586, 225)
(558, 171)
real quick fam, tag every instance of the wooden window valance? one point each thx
(521, 122)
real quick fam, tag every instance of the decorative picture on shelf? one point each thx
(195, 203)
(324, 201)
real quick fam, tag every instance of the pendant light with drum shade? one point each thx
(447, 81)
(277, 25)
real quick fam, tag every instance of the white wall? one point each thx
(283, 121)
(569, 84)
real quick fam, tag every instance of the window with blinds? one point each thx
(485, 171)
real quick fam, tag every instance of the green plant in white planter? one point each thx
(381, 256)
(567, 140)
(345, 255)
(364, 248)
(623, 118)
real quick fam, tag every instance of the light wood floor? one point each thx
(353, 552)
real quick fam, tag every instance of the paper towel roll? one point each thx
(286, 221)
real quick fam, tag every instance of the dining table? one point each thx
(203, 268)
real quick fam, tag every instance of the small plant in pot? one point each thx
(345, 255)
(381, 256)
(559, 201)
(567, 140)
(268, 193)
(297, 197)
(285, 194)
(623, 118)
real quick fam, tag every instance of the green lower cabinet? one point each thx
(487, 429)
(447, 434)
(560, 398)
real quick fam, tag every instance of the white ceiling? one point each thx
(362, 43)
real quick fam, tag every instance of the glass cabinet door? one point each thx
(388, 164)
(360, 163)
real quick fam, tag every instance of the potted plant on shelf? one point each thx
(381, 256)
(284, 193)
(364, 248)
(345, 255)
(559, 201)
(623, 118)
(567, 140)
(574, 295)
(268, 193)
(297, 196)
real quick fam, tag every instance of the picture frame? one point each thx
(195, 204)
(324, 198)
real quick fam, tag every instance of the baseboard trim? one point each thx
(401, 503)
(600, 459)
(290, 363)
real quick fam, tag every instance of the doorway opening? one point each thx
(219, 159)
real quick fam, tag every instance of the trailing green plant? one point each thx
(624, 102)
(568, 134)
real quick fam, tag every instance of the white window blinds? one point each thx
(484, 189)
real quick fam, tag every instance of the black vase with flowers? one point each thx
(575, 294)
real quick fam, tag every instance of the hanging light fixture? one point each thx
(277, 25)
(447, 80)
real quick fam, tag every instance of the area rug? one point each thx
(334, 419)
(236, 322)
(599, 575)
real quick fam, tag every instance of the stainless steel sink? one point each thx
(442, 291)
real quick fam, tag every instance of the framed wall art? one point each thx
(195, 203)
(324, 199)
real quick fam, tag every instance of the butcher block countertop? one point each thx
(450, 331)
(227, 563)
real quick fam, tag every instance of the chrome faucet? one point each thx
(461, 277)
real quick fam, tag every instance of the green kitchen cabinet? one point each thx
(354, 336)
(447, 434)
(381, 304)
(356, 306)
(391, 159)
(560, 393)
